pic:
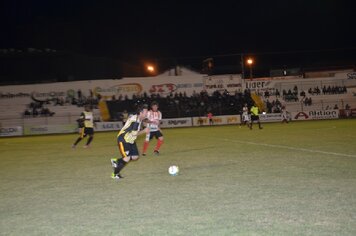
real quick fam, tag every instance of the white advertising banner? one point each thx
(270, 117)
(176, 122)
(217, 120)
(11, 131)
(315, 115)
(108, 126)
(164, 84)
(161, 84)
(231, 83)
(260, 85)
(49, 129)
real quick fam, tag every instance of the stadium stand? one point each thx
(297, 95)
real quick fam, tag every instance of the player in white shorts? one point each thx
(284, 115)
(246, 119)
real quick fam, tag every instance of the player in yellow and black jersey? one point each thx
(86, 126)
(126, 141)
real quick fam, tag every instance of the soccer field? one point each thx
(287, 179)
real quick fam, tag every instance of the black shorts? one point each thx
(155, 134)
(127, 149)
(87, 131)
(253, 117)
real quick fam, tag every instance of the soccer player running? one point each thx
(126, 141)
(255, 116)
(86, 126)
(245, 116)
(154, 117)
(284, 115)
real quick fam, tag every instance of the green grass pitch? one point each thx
(287, 179)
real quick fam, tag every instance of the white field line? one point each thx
(290, 148)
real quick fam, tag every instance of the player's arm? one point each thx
(144, 131)
(94, 122)
(147, 121)
(81, 120)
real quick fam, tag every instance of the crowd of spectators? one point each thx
(181, 105)
(36, 109)
(307, 101)
(327, 90)
(295, 95)
(40, 108)
(274, 107)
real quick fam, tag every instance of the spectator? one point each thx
(210, 118)
(27, 113)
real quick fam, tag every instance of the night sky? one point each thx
(131, 31)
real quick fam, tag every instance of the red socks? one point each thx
(145, 146)
(159, 143)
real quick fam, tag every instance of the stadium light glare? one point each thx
(150, 68)
(250, 63)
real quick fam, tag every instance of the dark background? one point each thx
(61, 40)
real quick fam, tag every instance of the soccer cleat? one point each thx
(116, 176)
(114, 162)
(156, 152)
(86, 146)
(73, 146)
(144, 154)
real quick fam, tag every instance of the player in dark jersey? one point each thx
(86, 126)
(126, 141)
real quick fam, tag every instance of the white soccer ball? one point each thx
(173, 170)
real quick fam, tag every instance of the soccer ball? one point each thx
(173, 170)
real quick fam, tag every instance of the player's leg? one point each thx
(81, 136)
(159, 137)
(119, 164)
(77, 141)
(249, 125)
(259, 123)
(251, 121)
(128, 152)
(146, 143)
(90, 132)
(247, 121)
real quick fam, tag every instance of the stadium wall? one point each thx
(162, 85)
(174, 123)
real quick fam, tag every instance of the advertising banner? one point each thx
(347, 113)
(255, 85)
(163, 85)
(177, 122)
(231, 83)
(10, 131)
(315, 115)
(49, 129)
(270, 117)
(217, 120)
(108, 126)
